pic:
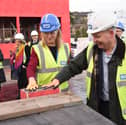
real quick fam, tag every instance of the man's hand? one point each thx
(54, 83)
(32, 85)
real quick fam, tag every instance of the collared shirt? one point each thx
(105, 88)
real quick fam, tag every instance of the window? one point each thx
(27, 24)
(7, 29)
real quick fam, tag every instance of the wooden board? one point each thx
(29, 106)
(79, 114)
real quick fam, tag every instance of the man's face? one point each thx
(119, 32)
(102, 39)
(35, 38)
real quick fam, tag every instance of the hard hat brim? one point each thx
(91, 31)
(49, 30)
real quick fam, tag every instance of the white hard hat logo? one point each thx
(89, 26)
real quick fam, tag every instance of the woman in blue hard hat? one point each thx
(49, 56)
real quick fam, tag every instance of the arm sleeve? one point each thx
(75, 66)
(27, 52)
(1, 56)
(32, 65)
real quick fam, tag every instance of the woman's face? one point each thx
(18, 43)
(50, 37)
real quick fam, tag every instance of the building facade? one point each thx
(25, 15)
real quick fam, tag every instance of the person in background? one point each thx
(34, 36)
(2, 74)
(26, 56)
(19, 58)
(12, 63)
(105, 62)
(28, 46)
(49, 56)
(119, 29)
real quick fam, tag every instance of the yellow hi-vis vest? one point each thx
(48, 67)
(120, 79)
(1, 65)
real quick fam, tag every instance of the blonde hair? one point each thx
(58, 39)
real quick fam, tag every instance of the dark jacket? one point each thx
(28, 52)
(2, 74)
(79, 63)
(23, 81)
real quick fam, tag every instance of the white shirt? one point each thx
(105, 89)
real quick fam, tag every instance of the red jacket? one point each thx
(32, 65)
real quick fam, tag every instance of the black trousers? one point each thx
(104, 108)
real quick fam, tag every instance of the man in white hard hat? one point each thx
(34, 36)
(105, 62)
(28, 46)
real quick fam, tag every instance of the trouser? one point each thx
(104, 108)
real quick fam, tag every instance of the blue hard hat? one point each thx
(49, 23)
(120, 26)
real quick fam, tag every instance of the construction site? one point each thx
(46, 105)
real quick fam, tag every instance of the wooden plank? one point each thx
(79, 114)
(29, 106)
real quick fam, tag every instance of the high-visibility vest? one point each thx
(90, 68)
(120, 79)
(1, 65)
(48, 67)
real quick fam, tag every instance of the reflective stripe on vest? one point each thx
(124, 111)
(89, 74)
(42, 56)
(24, 57)
(121, 84)
(1, 64)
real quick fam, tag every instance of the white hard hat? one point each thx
(101, 21)
(19, 36)
(34, 33)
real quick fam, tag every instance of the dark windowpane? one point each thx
(7, 29)
(27, 24)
